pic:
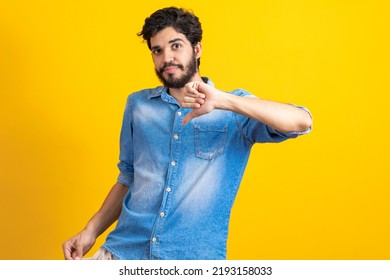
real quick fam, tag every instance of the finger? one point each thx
(200, 101)
(191, 94)
(201, 95)
(191, 89)
(67, 249)
(195, 85)
(190, 105)
(193, 100)
(195, 95)
(188, 99)
(78, 253)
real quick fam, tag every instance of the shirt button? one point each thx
(179, 114)
(162, 214)
(168, 189)
(173, 163)
(154, 239)
(175, 137)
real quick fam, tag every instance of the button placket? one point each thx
(170, 183)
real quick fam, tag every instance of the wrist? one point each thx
(225, 100)
(91, 230)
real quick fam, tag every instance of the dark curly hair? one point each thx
(181, 20)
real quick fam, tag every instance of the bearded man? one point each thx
(184, 148)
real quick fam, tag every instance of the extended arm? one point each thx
(204, 98)
(109, 212)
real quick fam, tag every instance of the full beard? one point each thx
(171, 82)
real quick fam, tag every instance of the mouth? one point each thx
(170, 69)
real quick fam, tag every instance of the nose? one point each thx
(168, 56)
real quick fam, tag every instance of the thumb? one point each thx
(78, 253)
(188, 117)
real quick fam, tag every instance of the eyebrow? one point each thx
(175, 40)
(170, 42)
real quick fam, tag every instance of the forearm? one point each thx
(282, 117)
(204, 98)
(109, 211)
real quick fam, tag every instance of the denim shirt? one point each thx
(182, 179)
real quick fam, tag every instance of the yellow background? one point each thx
(66, 68)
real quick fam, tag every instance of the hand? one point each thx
(76, 247)
(199, 96)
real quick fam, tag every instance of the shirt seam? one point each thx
(241, 132)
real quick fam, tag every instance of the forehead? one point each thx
(166, 36)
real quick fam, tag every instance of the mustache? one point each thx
(168, 64)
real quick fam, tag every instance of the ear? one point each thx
(198, 50)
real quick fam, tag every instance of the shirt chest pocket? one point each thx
(210, 140)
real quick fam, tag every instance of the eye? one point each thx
(176, 46)
(156, 51)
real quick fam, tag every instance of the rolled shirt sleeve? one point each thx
(125, 165)
(254, 131)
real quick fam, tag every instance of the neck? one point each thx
(179, 93)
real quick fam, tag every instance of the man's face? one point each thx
(174, 58)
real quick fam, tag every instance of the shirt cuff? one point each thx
(125, 179)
